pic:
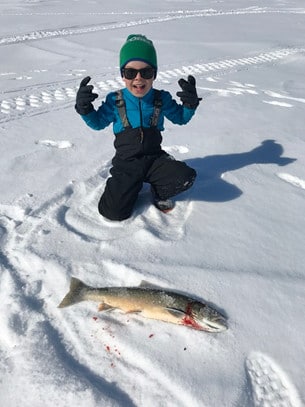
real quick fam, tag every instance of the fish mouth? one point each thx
(217, 325)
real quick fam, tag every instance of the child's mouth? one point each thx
(139, 87)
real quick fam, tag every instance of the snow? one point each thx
(235, 240)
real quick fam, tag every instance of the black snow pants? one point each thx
(167, 177)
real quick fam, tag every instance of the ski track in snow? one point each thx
(271, 386)
(208, 12)
(39, 101)
(160, 18)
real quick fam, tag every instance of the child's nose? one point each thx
(138, 75)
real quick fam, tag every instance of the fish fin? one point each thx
(176, 312)
(147, 284)
(133, 311)
(75, 293)
(104, 307)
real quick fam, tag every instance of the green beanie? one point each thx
(138, 47)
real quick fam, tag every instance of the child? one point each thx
(137, 113)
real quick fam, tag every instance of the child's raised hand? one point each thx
(188, 96)
(85, 97)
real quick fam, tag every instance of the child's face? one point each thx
(138, 86)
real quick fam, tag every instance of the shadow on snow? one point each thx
(209, 185)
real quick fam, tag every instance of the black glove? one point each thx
(84, 97)
(188, 96)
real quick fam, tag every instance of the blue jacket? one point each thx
(139, 112)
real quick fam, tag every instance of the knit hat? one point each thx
(138, 47)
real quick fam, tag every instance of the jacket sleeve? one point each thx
(175, 112)
(103, 116)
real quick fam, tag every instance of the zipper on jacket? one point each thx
(141, 122)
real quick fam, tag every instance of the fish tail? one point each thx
(75, 293)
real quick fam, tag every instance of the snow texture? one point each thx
(235, 240)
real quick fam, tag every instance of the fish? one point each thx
(150, 302)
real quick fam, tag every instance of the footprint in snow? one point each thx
(61, 144)
(271, 386)
(292, 180)
(12, 212)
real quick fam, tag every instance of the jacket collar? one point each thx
(134, 99)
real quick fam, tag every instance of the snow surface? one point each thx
(236, 240)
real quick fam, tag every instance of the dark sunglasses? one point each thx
(146, 73)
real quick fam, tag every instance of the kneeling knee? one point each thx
(183, 185)
(113, 214)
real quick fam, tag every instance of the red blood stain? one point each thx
(95, 318)
(189, 309)
(115, 349)
(188, 320)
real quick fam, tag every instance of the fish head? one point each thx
(205, 318)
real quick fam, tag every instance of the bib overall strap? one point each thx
(120, 104)
(157, 108)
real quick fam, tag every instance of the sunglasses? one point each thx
(146, 73)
